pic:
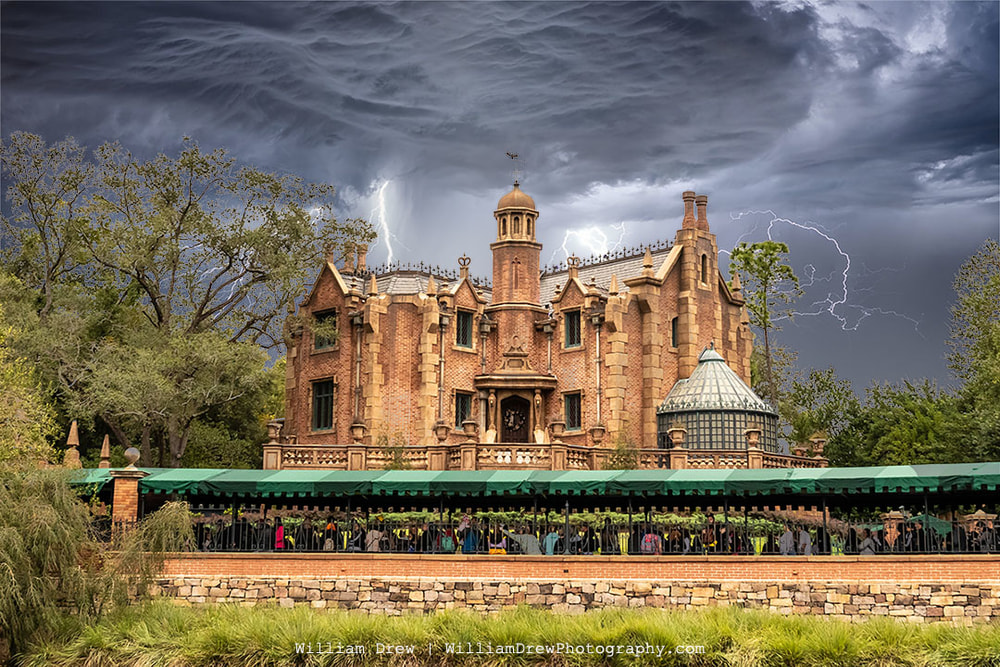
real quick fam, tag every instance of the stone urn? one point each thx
(677, 433)
(597, 434)
(441, 430)
(800, 450)
(358, 431)
(557, 429)
(753, 436)
(470, 427)
(273, 432)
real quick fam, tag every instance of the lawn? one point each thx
(163, 634)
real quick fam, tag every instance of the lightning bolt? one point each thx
(378, 216)
(593, 238)
(835, 302)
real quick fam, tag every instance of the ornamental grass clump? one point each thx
(53, 568)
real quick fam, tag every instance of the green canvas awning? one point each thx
(97, 477)
(185, 481)
(965, 477)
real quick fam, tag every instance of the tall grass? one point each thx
(164, 635)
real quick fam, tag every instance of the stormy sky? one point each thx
(863, 135)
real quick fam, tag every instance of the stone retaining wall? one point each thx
(963, 590)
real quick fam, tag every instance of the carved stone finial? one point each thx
(131, 455)
(647, 259)
(372, 286)
(431, 286)
(613, 289)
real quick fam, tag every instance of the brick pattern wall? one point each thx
(964, 590)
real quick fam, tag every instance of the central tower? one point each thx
(516, 253)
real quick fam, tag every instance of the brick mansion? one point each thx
(538, 368)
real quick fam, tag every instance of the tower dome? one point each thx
(717, 409)
(516, 198)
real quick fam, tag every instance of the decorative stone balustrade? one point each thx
(515, 456)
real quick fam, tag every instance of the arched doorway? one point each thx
(515, 419)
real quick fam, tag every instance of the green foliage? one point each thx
(624, 456)
(50, 563)
(768, 283)
(395, 453)
(144, 288)
(975, 347)
(163, 634)
(906, 425)
(27, 422)
(818, 403)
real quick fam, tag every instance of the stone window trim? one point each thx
(675, 323)
(311, 402)
(470, 396)
(472, 329)
(565, 315)
(567, 401)
(332, 346)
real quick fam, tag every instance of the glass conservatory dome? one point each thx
(717, 409)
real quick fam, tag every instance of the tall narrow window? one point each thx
(572, 319)
(326, 337)
(531, 226)
(704, 269)
(463, 407)
(322, 405)
(463, 328)
(515, 273)
(673, 332)
(517, 224)
(503, 226)
(573, 421)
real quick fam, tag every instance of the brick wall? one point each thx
(960, 589)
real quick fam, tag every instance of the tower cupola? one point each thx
(516, 216)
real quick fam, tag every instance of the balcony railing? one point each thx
(516, 456)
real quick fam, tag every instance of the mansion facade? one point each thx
(543, 369)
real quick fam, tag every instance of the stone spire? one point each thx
(72, 458)
(105, 453)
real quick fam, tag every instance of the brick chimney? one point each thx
(702, 202)
(362, 257)
(689, 221)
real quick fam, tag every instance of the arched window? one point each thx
(503, 226)
(515, 273)
(517, 224)
(704, 269)
(531, 231)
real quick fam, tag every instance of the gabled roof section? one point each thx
(338, 279)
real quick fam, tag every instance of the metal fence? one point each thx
(649, 535)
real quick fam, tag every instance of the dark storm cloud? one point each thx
(878, 121)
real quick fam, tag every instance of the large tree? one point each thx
(159, 279)
(768, 284)
(975, 346)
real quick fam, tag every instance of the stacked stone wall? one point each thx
(961, 590)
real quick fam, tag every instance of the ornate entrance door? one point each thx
(515, 419)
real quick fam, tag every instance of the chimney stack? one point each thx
(689, 219)
(702, 201)
(362, 257)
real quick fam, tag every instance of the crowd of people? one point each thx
(469, 535)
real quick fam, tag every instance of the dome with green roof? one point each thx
(716, 408)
